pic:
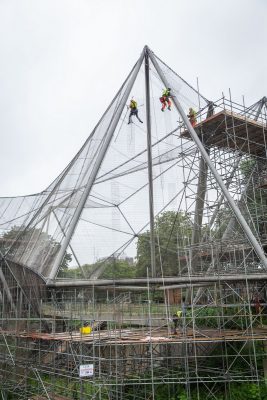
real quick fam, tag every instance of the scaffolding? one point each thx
(187, 202)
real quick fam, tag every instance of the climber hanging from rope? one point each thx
(165, 99)
(133, 111)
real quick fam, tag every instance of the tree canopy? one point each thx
(253, 170)
(14, 242)
(173, 231)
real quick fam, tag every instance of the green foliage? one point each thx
(119, 269)
(182, 396)
(246, 167)
(173, 233)
(112, 269)
(15, 240)
(65, 262)
(256, 198)
(223, 217)
(207, 317)
(84, 390)
(248, 391)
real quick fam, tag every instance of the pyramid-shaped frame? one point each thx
(120, 170)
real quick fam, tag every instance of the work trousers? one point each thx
(134, 111)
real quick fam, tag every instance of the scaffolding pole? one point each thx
(109, 134)
(150, 171)
(255, 244)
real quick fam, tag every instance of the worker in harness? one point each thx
(177, 320)
(192, 115)
(133, 111)
(165, 99)
(179, 317)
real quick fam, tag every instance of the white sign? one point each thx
(86, 370)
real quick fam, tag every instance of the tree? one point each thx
(113, 269)
(173, 233)
(18, 238)
(253, 171)
(116, 269)
(252, 202)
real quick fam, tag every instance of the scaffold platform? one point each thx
(135, 336)
(229, 130)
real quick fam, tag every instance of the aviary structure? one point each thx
(192, 201)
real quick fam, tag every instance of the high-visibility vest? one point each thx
(192, 114)
(179, 313)
(133, 104)
(166, 93)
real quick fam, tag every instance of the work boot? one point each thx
(169, 108)
(162, 109)
(129, 122)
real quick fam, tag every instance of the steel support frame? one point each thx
(255, 244)
(7, 291)
(241, 203)
(214, 216)
(220, 201)
(260, 107)
(71, 248)
(200, 199)
(201, 191)
(149, 164)
(57, 283)
(99, 159)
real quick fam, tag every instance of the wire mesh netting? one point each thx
(99, 211)
(116, 211)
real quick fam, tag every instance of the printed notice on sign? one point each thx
(86, 370)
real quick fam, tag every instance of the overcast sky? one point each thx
(63, 60)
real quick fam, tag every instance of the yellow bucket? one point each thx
(85, 330)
